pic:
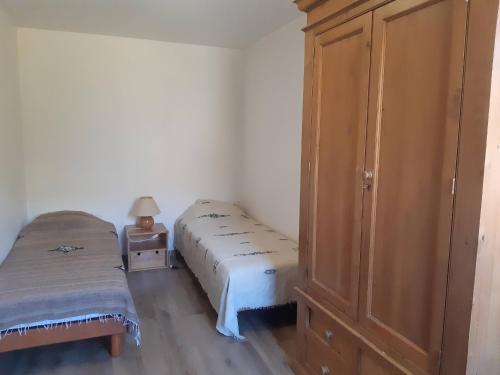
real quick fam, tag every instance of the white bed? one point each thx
(240, 263)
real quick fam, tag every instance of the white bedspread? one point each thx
(240, 263)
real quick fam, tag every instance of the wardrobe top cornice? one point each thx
(337, 11)
(307, 5)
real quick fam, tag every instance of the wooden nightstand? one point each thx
(146, 249)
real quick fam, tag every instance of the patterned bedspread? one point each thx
(65, 268)
(240, 263)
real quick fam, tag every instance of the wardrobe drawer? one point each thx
(321, 360)
(324, 344)
(140, 260)
(331, 334)
(371, 363)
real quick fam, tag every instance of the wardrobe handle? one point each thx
(367, 175)
(367, 180)
(328, 335)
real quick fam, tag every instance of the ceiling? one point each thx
(222, 23)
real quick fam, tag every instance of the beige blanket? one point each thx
(65, 267)
(241, 264)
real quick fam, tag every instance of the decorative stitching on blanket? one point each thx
(232, 234)
(216, 264)
(213, 216)
(65, 249)
(254, 253)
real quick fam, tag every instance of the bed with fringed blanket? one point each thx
(64, 280)
(241, 263)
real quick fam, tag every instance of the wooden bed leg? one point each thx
(116, 344)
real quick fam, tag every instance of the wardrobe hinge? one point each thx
(453, 186)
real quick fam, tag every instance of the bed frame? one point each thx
(34, 337)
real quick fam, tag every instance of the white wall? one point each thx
(272, 111)
(484, 335)
(12, 200)
(108, 119)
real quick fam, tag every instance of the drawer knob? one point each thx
(328, 335)
(325, 370)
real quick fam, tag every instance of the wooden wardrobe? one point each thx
(400, 200)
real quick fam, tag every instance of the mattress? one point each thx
(65, 267)
(241, 263)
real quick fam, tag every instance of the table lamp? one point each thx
(145, 208)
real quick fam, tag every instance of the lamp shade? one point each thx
(145, 206)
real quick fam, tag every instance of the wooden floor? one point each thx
(178, 337)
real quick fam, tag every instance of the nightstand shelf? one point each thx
(146, 249)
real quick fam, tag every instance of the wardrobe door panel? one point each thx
(340, 95)
(414, 118)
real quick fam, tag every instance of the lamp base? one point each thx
(146, 222)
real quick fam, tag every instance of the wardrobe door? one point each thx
(414, 118)
(339, 116)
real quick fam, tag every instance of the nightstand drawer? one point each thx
(146, 249)
(146, 259)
